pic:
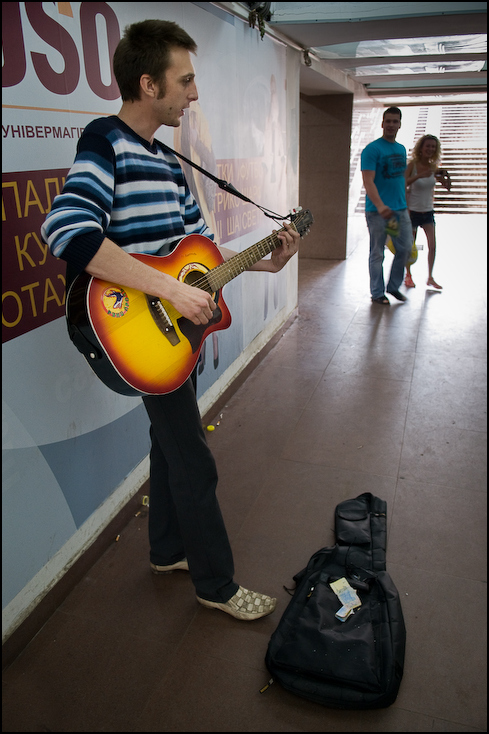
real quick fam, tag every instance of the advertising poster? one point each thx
(69, 441)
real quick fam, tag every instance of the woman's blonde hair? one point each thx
(416, 154)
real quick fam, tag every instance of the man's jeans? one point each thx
(402, 244)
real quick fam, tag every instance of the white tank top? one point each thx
(420, 194)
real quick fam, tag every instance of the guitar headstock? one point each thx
(302, 220)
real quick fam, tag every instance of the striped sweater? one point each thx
(121, 187)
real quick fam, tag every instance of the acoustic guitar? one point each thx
(139, 344)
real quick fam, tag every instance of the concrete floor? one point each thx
(355, 397)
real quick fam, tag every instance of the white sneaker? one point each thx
(178, 566)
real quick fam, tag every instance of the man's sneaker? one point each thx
(247, 605)
(178, 566)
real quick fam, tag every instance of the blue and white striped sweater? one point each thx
(123, 188)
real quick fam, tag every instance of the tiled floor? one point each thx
(355, 397)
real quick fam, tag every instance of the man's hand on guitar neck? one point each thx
(290, 245)
(289, 239)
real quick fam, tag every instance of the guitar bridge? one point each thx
(162, 320)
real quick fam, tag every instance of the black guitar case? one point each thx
(356, 663)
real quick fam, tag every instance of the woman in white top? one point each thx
(422, 174)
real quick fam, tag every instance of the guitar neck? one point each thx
(222, 274)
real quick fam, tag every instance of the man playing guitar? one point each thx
(126, 195)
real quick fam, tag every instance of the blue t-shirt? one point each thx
(388, 160)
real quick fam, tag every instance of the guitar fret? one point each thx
(225, 272)
(228, 270)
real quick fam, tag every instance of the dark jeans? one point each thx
(184, 515)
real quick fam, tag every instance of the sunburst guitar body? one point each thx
(138, 344)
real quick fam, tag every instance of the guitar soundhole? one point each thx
(195, 274)
(193, 277)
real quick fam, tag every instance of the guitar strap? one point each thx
(225, 186)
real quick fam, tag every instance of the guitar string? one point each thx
(270, 240)
(228, 266)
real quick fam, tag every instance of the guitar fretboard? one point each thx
(222, 274)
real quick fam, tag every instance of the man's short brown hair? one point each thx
(392, 111)
(145, 49)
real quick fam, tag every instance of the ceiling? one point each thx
(414, 51)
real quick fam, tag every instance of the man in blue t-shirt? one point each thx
(383, 165)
